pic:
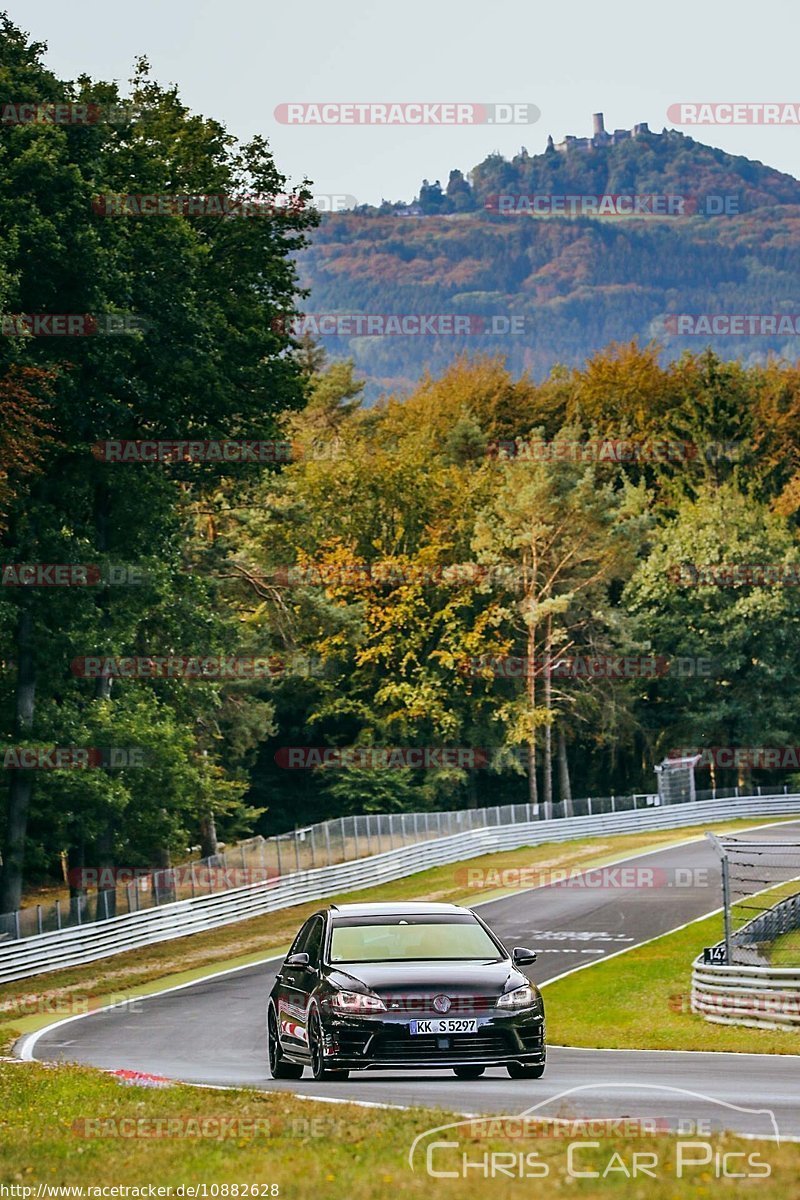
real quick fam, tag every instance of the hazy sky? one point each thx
(237, 60)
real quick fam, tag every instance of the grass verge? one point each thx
(641, 1000)
(70, 1125)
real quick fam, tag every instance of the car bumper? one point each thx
(386, 1043)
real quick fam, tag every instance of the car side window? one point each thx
(314, 944)
(300, 943)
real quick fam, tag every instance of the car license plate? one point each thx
(444, 1025)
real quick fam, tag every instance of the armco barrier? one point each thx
(82, 944)
(766, 997)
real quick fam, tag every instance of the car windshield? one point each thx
(410, 939)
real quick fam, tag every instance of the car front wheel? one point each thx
(318, 1068)
(279, 1068)
(523, 1071)
(468, 1072)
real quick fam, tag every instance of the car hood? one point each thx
(423, 978)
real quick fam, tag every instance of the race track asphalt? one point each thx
(212, 1031)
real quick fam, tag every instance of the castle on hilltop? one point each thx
(599, 137)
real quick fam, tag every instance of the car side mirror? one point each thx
(522, 957)
(297, 960)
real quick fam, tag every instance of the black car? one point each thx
(416, 986)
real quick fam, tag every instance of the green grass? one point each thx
(785, 950)
(50, 1119)
(640, 1000)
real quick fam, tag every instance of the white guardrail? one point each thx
(82, 944)
(766, 997)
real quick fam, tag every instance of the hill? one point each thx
(560, 287)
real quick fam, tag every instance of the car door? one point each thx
(297, 984)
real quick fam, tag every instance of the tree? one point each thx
(213, 363)
(560, 535)
(685, 601)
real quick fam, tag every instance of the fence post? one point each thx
(39, 917)
(366, 824)
(58, 915)
(16, 923)
(191, 881)
(344, 852)
(277, 841)
(726, 904)
(328, 842)
(613, 804)
(296, 849)
(313, 849)
(355, 835)
(416, 834)
(589, 802)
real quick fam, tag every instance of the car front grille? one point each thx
(460, 1005)
(433, 1048)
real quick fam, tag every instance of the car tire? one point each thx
(318, 1068)
(468, 1072)
(523, 1071)
(279, 1068)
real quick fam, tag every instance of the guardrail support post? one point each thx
(726, 902)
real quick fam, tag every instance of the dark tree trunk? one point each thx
(208, 837)
(21, 786)
(533, 790)
(564, 785)
(548, 731)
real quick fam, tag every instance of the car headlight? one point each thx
(521, 997)
(357, 1002)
